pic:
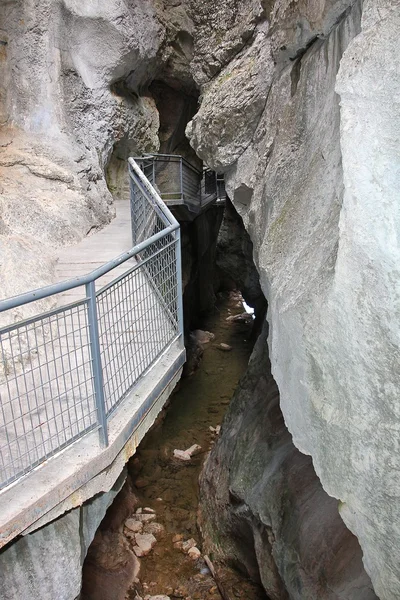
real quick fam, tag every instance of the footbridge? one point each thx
(182, 184)
(82, 382)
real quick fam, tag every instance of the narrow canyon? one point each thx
(284, 290)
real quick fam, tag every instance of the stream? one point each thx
(169, 486)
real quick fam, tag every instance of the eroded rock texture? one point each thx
(48, 562)
(264, 509)
(74, 103)
(300, 108)
(314, 175)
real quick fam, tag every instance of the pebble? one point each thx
(194, 553)
(195, 449)
(134, 525)
(187, 454)
(178, 537)
(215, 430)
(188, 544)
(144, 544)
(145, 518)
(224, 347)
(181, 455)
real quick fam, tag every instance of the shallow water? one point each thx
(171, 486)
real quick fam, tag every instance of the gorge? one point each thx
(297, 103)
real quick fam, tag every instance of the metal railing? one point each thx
(64, 371)
(181, 183)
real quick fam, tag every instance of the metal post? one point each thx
(181, 176)
(179, 283)
(132, 205)
(154, 172)
(96, 363)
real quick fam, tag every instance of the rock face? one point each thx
(299, 107)
(264, 509)
(48, 563)
(69, 101)
(316, 182)
(235, 263)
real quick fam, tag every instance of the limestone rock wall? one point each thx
(314, 174)
(263, 508)
(70, 90)
(48, 563)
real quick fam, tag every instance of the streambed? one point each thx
(169, 486)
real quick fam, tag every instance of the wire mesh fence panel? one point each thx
(180, 182)
(137, 321)
(168, 178)
(191, 184)
(147, 218)
(63, 371)
(46, 388)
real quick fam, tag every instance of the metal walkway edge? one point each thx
(65, 373)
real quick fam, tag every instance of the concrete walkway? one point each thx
(95, 250)
(48, 399)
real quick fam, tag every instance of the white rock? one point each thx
(194, 553)
(186, 546)
(181, 455)
(145, 518)
(145, 542)
(195, 449)
(216, 429)
(134, 525)
(187, 454)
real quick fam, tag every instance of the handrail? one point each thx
(175, 158)
(152, 192)
(182, 183)
(70, 284)
(63, 372)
